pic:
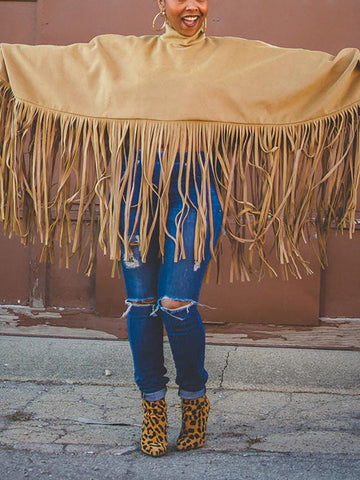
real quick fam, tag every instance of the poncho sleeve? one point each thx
(278, 128)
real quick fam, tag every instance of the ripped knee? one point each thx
(171, 304)
(148, 301)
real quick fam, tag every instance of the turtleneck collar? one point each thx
(175, 38)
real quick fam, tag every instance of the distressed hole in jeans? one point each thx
(197, 266)
(174, 305)
(132, 263)
(134, 260)
(148, 301)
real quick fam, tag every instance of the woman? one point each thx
(167, 292)
(177, 138)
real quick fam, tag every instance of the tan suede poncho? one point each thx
(279, 128)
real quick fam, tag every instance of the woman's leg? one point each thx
(179, 289)
(145, 327)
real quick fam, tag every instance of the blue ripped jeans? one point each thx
(157, 279)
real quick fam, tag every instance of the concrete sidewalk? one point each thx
(275, 413)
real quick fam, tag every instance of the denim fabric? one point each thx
(146, 337)
(157, 279)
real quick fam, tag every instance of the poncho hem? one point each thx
(64, 177)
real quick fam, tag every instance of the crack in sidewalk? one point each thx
(225, 367)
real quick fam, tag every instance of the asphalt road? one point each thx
(276, 414)
(18, 465)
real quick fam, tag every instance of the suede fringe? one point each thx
(63, 178)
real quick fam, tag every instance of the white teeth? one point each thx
(191, 19)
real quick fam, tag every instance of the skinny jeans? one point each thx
(158, 279)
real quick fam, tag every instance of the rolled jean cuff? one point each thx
(187, 395)
(154, 396)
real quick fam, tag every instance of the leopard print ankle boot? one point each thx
(154, 428)
(194, 418)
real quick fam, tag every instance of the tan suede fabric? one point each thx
(278, 126)
(171, 77)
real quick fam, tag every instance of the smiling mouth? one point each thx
(191, 20)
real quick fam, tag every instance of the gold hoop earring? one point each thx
(160, 14)
(204, 27)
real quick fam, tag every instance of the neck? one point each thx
(177, 39)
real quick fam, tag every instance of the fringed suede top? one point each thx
(278, 128)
